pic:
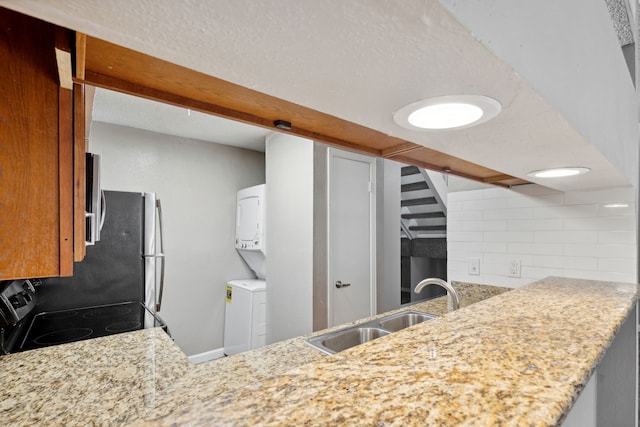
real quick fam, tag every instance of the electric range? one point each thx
(23, 328)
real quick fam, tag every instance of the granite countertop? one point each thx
(517, 358)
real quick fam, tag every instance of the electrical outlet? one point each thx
(474, 266)
(514, 268)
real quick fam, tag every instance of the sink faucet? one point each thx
(452, 295)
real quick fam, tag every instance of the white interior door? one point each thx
(351, 238)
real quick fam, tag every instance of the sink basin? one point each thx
(333, 342)
(402, 320)
(343, 339)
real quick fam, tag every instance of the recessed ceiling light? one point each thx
(447, 112)
(558, 172)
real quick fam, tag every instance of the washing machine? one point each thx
(245, 323)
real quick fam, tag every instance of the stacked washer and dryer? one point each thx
(245, 323)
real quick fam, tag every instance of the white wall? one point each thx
(388, 235)
(197, 182)
(567, 234)
(289, 236)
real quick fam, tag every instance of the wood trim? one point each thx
(81, 55)
(399, 149)
(426, 165)
(65, 174)
(115, 67)
(127, 87)
(496, 178)
(79, 175)
(63, 57)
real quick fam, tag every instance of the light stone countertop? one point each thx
(517, 358)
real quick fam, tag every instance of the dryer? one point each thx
(250, 228)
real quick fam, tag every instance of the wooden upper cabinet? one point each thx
(36, 150)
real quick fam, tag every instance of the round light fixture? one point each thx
(447, 112)
(558, 172)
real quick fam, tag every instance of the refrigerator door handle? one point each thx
(103, 210)
(161, 254)
(153, 249)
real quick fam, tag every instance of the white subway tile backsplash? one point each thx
(617, 237)
(499, 225)
(551, 234)
(566, 236)
(582, 249)
(499, 269)
(508, 236)
(602, 223)
(496, 193)
(466, 215)
(537, 201)
(547, 261)
(578, 211)
(464, 236)
(547, 212)
(466, 195)
(535, 224)
(536, 273)
(456, 265)
(495, 258)
(472, 226)
(464, 247)
(494, 247)
(475, 205)
(453, 206)
(516, 213)
(629, 210)
(617, 251)
(535, 248)
(566, 262)
(455, 226)
(582, 274)
(617, 265)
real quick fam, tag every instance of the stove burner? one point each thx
(106, 312)
(64, 336)
(123, 327)
(59, 315)
(52, 328)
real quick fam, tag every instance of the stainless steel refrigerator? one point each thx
(126, 264)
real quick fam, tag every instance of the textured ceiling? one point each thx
(620, 20)
(359, 60)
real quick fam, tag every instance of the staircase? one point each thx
(423, 209)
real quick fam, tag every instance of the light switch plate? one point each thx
(474, 266)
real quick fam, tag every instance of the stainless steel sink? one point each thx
(398, 321)
(342, 339)
(333, 342)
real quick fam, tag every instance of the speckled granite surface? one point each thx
(518, 358)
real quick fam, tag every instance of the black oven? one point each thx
(23, 327)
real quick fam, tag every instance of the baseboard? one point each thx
(207, 356)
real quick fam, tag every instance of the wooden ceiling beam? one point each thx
(103, 64)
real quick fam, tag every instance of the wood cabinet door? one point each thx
(36, 152)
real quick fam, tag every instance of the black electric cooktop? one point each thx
(59, 327)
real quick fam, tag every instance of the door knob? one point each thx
(339, 284)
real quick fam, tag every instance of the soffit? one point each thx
(343, 67)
